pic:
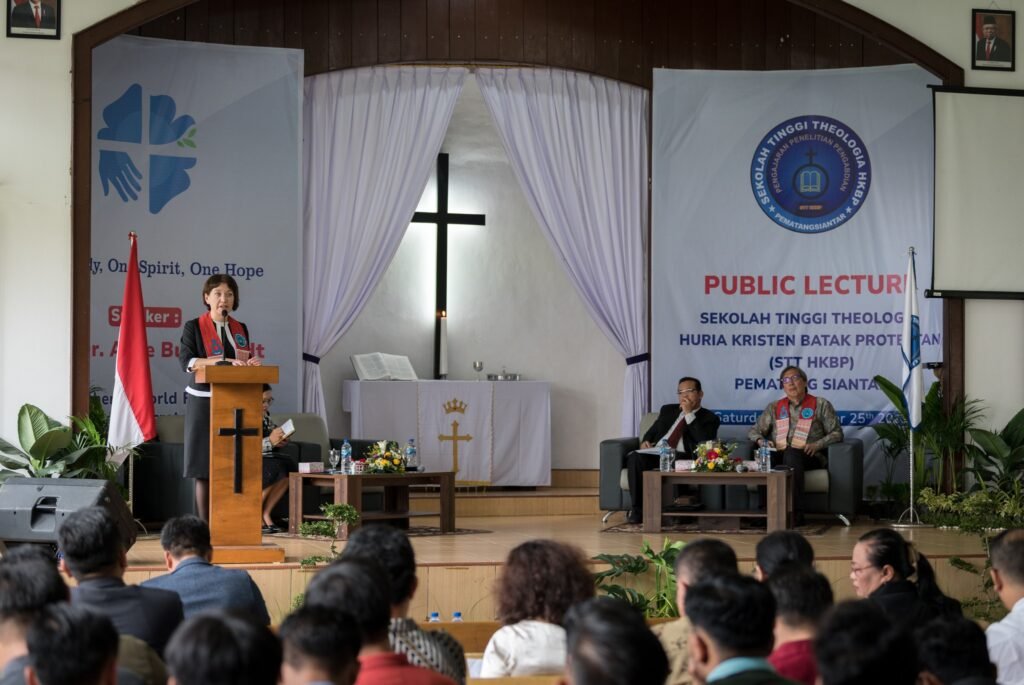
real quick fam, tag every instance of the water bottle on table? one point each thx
(666, 456)
(457, 617)
(764, 457)
(412, 461)
(435, 617)
(346, 458)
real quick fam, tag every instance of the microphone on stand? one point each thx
(225, 343)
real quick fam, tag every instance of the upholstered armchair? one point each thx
(836, 490)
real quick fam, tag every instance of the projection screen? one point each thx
(979, 193)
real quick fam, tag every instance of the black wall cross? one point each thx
(238, 433)
(442, 218)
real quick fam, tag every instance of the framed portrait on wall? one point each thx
(33, 18)
(993, 40)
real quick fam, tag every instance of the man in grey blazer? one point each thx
(95, 556)
(200, 584)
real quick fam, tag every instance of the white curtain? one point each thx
(371, 137)
(578, 145)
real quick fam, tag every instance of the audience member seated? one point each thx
(733, 620)
(200, 584)
(609, 643)
(276, 467)
(71, 645)
(857, 644)
(361, 587)
(433, 649)
(701, 558)
(1006, 637)
(802, 596)
(320, 645)
(952, 651)
(781, 547)
(96, 558)
(28, 584)
(223, 648)
(881, 569)
(540, 581)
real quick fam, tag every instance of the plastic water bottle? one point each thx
(457, 617)
(435, 617)
(666, 456)
(764, 457)
(412, 461)
(346, 458)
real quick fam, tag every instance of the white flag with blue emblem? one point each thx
(910, 347)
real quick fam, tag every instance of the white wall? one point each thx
(509, 301)
(994, 369)
(35, 216)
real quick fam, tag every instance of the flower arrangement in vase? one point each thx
(384, 456)
(713, 455)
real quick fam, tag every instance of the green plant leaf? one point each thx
(50, 443)
(32, 424)
(189, 143)
(1013, 434)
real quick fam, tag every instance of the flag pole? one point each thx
(910, 348)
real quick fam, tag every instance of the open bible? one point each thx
(377, 366)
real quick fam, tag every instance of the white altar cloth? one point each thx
(504, 427)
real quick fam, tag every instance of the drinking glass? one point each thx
(334, 458)
(478, 367)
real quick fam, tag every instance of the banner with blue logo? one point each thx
(783, 207)
(196, 147)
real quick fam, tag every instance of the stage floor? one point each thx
(457, 572)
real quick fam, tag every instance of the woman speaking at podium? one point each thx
(213, 338)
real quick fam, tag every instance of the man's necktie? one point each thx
(39, 20)
(677, 432)
(988, 49)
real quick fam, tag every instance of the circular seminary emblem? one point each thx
(806, 413)
(810, 174)
(240, 340)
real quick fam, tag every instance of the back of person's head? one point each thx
(1006, 551)
(857, 643)
(70, 645)
(222, 648)
(186, 536)
(886, 547)
(781, 547)
(391, 548)
(736, 612)
(541, 580)
(28, 583)
(705, 557)
(90, 542)
(953, 648)
(802, 595)
(360, 587)
(320, 638)
(608, 642)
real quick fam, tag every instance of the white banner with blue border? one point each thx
(196, 147)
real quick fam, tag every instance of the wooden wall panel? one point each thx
(510, 30)
(620, 39)
(414, 30)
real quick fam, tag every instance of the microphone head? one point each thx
(224, 313)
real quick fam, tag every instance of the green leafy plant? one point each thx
(336, 515)
(660, 601)
(49, 449)
(942, 434)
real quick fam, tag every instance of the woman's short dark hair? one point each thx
(886, 547)
(219, 279)
(541, 580)
(781, 547)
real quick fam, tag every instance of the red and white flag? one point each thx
(132, 416)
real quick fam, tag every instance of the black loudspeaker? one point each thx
(33, 509)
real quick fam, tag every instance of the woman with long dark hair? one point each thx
(890, 572)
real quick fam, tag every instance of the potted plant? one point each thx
(660, 601)
(336, 515)
(49, 449)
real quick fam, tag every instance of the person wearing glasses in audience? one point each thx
(684, 425)
(799, 426)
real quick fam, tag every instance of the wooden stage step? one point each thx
(541, 501)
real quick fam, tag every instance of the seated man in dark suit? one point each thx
(95, 557)
(200, 584)
(683, 425)
(608, 642)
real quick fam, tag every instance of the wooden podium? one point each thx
(236, 468)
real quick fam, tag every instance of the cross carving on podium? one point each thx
(442, 218)
(238, 433)
(455, 439)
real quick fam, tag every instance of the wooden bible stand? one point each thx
(236, 468)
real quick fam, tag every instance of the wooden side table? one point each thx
(778, 511)
(348, 489)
